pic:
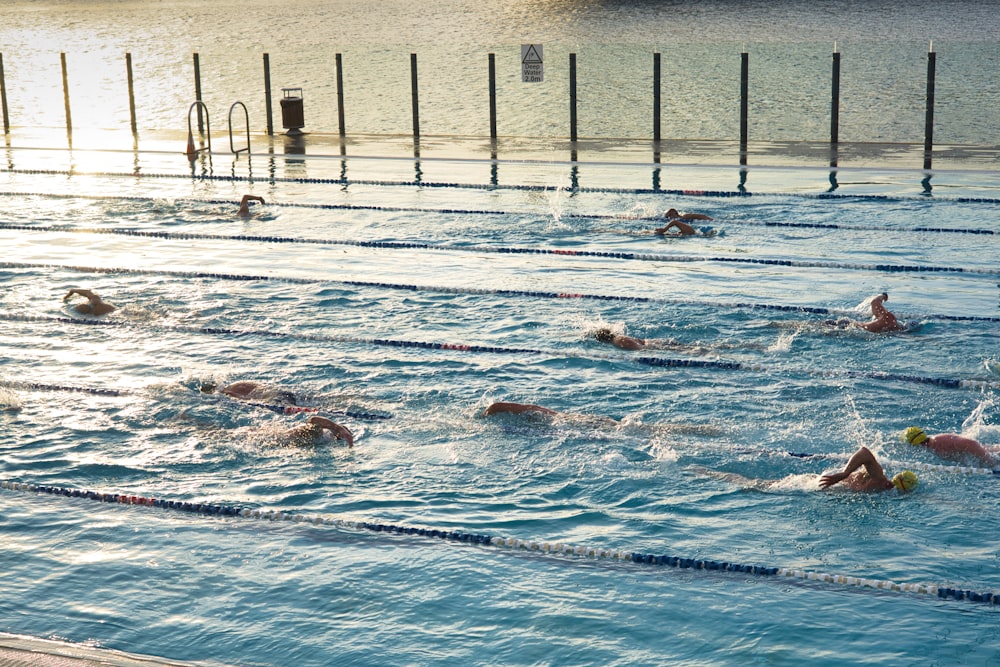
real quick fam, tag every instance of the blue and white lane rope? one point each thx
(814, 310)
(511, 250)
(617, 217)
(280, 409)
(347, 182)
(661, 362)
(554, 549)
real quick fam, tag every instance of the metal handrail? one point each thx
(246, 115)
(192, 151)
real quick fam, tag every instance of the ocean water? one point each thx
(883, 46)
(401, 297)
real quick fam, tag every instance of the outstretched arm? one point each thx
(861, 458)
(682, 227)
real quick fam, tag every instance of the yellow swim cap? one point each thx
(905, 481)
(914, 435)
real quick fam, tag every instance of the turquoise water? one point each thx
(772, 381)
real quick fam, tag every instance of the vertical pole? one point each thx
(3, 98)
(197, 92)
(572, 97)
(493, 97)
(835, 98)
(744, 89)
(65, 82)
(131, 93)
(656, 97)
(340, 95)
(929, 119)
(268, 110)
(413, 92)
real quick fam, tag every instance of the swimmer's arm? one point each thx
(97, 305)
(861, 458)
(340, 432)
(879, 311)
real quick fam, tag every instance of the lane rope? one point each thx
(817, 310)
(552, 549)
(346, 182)
(499, 212)
(514, 250)
(660, 362)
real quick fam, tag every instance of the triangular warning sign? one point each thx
(531, 56)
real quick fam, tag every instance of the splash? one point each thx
(975, 423)
(9, 400)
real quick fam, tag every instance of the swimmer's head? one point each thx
(671, 213)
(604, 335)
(905, 481)
(915, 435)
(208, 387)
(285, 397)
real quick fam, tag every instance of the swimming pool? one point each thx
(405, 308)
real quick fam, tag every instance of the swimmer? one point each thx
(623, 342)
(244, 211)
(94, 305)
(247, 390)
(315, 430)
(597, 421)
(864, 473)
(882, 320)
(605, 335)
(870, 479)
(516, 409)
(950, 446)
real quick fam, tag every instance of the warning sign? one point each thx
(531, 63)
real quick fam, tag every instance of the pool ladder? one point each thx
(193, 152)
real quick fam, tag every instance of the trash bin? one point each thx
(292, 115)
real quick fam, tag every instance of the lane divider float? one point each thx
(660, 362)
(552, 549)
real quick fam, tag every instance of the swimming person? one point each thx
(94, 305)
(316, 430)
(244, 211)
(576, 419)
(605, 335)
(516, 409)
(882, 320)
(950, 446)
(631, 343)
(864, 473)
(248, 390)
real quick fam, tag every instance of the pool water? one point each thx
(402, 310)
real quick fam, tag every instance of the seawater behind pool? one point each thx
(436, 332)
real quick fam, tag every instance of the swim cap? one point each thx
(914, 435)
(905, 481)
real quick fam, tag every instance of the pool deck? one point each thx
(671, 152)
